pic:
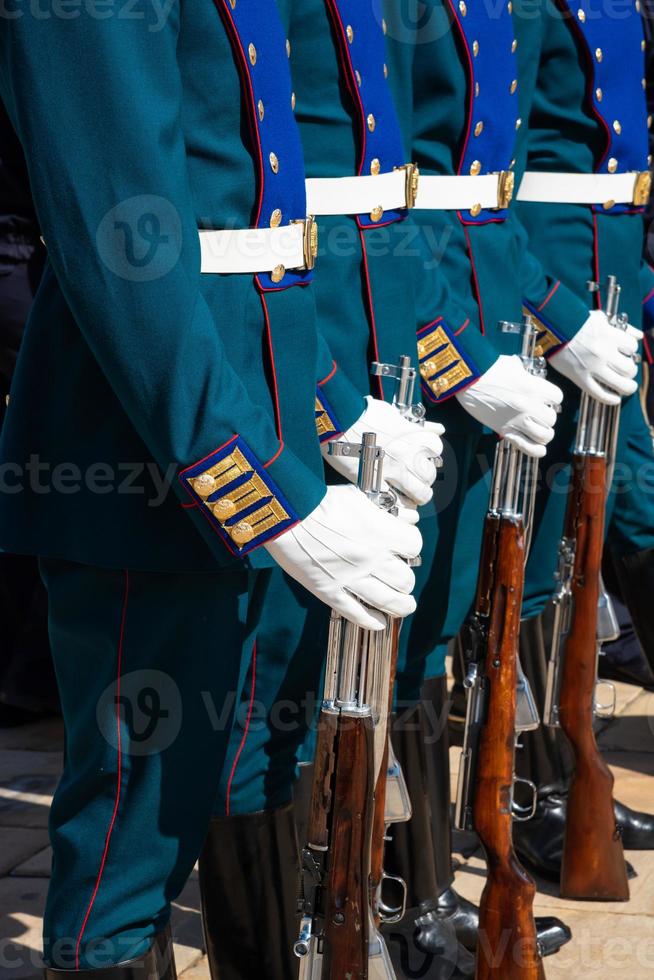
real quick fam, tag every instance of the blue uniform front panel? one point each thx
(362, 50)
(489, 46)
(262, 52)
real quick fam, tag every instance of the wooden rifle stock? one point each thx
(340, 822)
(507, 946)
(593, 864)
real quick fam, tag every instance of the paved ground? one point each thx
(609, 940)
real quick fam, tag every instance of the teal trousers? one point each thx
(150, 668)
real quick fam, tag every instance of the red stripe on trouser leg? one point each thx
(119, 774)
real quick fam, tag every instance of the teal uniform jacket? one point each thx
(587, 114)
(136, 368)
(456, 76)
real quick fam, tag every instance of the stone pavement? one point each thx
(609, 940)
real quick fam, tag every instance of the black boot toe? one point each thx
(637, 828)
(552, 934)
(422, 945)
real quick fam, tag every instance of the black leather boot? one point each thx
(249, 871)
(421, 945)
(157, 964)
(635, 574)
(545, 758)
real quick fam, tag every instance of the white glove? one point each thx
(515, 404)
(409, 449)
(347, 552)
(599, 359)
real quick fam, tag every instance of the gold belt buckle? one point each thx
(310, 242)
(411, 181)
(642, 188)
(505, 189)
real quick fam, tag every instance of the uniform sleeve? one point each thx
(558, 312)
(97, 104)
(452, 351)
(339, 403)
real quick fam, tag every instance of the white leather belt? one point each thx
(369, 193)
(487, 191)
(605, 189)
(272, 250)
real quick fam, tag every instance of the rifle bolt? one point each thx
(338, 919)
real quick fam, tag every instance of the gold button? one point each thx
(608, 205)
(598, 54)
(643, 82)
(510, 7)
(357, 75)
(375, 167)
(350, 33)
(518, 123)
(475, 210)
(514, 46)
(514, 86)
(293, 101)
(204, 485)
(274, 163)
(262, 111)
(638, 5)
(479, 128)
(288, 48)
(617, 126)
(649, 122)
(477, 90)
(649, 160)
(278, 273)
(475, 168)
(371, 123)
(642, 45)
(377, 213)
(224, 509)
(475, 48)
(581, 14)
(463, 8)
(385, 71)
(241, 533)
(384, 27)
(599, 94)
(232, 3)
(276, 218)
(612, 165)
(252, 52)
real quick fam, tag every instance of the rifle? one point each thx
(392, 802)
(593, 865)
(507, 947)
(338, 936)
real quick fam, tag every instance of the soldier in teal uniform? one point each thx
(581, 202)
(159, 451)
(352, 145)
